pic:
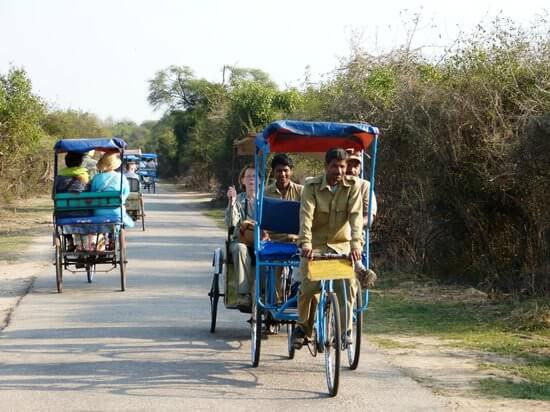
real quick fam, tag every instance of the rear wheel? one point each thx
(122, 258)
(214, 297)
(58, 264)
(332, 342)
(354, 350)
(142, 213)
(90, 272)
(256, 331)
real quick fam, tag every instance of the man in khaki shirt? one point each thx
(283, 188)
(331, 220)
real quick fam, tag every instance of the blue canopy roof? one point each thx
(85, 145)
(131, 158)
(148, 155)
(298, 136)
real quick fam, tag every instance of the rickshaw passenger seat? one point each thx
(281, 216)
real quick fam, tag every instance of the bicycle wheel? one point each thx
(256, 331)
(90, 272)
(142, 213)
(332, 342)
(214, 297)
(122, 258)
(291, 349)
(58, 265)
(354, 349)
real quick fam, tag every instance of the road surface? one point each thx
(94, 348)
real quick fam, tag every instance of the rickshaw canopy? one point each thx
(306, 137)
(106, 144)
(148, 155)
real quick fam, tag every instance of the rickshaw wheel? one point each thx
(58, 265)
(90, 272)
(256, 330)
(354, 349)
(142, 213)
(290, 345)
(214, 297)
(332, 343)
(122, 258)
(154, 187)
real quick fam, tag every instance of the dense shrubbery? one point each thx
(464, 158)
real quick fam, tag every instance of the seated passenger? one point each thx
(132, 176)
(73, 178)
(240, 212)
(108, 179)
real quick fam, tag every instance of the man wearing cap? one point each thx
(354, 169)
(331, 220)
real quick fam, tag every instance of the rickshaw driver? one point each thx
(283, 188)
(331, 220)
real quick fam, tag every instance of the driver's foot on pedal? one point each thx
(298, 337)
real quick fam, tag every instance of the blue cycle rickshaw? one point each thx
(283, 216)
(101, 238)
(148, 171)
(135, 206)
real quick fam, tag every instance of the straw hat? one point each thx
(108, 162)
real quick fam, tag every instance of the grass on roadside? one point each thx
(216, 214)
(487, 327)
(20, 221)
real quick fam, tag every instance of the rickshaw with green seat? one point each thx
(86, 242)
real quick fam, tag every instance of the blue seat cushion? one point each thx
(272, 250)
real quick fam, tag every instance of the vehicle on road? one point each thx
(148, 171)
(85, 242)
(282, 216)
(135, 205)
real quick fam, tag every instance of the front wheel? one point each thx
(90, 272)
(332, 342)
(354, 350)
(290, 344)
(214, 297)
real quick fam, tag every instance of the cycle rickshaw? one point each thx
(148, 170)
(101, 238)
(223, 280)
(134, 203)
(283, 216)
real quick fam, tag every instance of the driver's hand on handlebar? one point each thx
(307, 253)
(355, 255)
(231, 195)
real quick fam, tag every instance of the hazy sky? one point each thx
(97, 55)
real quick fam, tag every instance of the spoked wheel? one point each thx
(90, 272)
(154, 187)
(354, 349)
(142, 213)
(214, 297)
(332, 342)
(291, 349)
(256, 331)
(58, 265)
(122, 258)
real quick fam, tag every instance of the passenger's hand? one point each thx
(265, 235)
(231, 195)
(356, 255)
(307, 253)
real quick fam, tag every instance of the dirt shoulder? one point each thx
(463, 345)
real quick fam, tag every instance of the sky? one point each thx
(98, 55)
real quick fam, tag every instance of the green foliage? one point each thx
(73, 124)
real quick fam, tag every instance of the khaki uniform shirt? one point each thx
(331, 220)
(294, 192)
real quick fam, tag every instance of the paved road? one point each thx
(93, 348)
